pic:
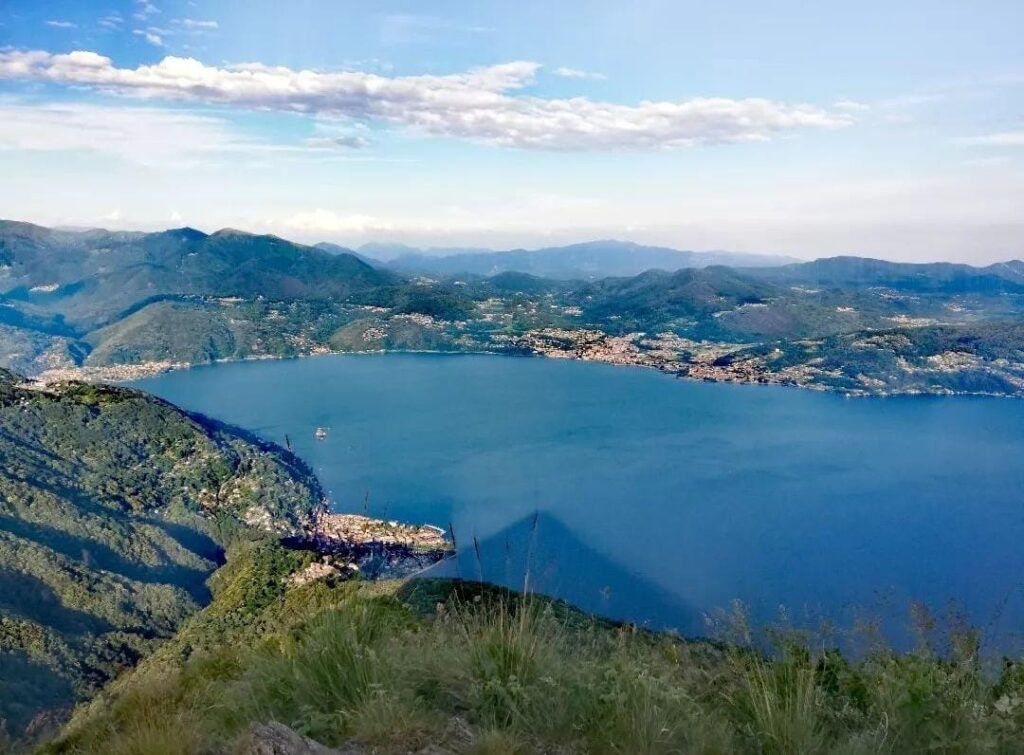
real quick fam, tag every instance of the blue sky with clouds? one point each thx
(887, 129)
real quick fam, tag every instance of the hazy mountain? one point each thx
(514, 283)
(1012, 270)
(586, 261)
(933, 277)
(326, 246)
(826, 296)
(94, 297)
(387, 252)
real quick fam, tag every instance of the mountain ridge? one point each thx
(91, 276)
(921, 276)
(586, 260)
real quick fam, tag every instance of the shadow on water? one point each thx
(540, 554)
(841, 511)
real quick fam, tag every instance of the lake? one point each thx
(658, 500)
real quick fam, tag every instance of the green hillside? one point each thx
(657, 299)
(984, 358)
(114, 507)
(91, 278)
(446, 667)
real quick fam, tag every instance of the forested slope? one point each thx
(113, 510)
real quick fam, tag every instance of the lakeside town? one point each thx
(665, 351)
(683, 357)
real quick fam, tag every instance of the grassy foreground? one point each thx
(460, 667)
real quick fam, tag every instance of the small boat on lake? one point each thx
(320, 433)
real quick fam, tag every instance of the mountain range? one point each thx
(101, 299)
(585, 261)
(931, 277)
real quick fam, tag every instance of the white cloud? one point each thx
(196, 25)
(62, 24)
(154, 137)
(1002, 139)
(326, 221)
(144, 9)
(483, 104)
(153, 36)
(113, 21)
(148, 136)
(575, 73)
(333, 132)
(852, 106)
(345, 141)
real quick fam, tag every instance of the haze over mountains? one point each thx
(584, 261)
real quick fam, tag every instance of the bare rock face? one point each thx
(277, 739)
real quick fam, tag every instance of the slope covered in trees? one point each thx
(114, 507)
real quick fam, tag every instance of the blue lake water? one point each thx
(660, 500)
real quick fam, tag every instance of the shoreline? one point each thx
(129, 373)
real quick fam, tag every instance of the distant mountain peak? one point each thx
(224, 232)
(188, 233)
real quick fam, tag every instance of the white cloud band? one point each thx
(483, 104)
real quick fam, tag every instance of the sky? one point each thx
(886, 129)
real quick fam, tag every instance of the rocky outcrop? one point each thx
(277, 739)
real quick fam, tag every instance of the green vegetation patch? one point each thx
(448, 666)
(114, 510)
